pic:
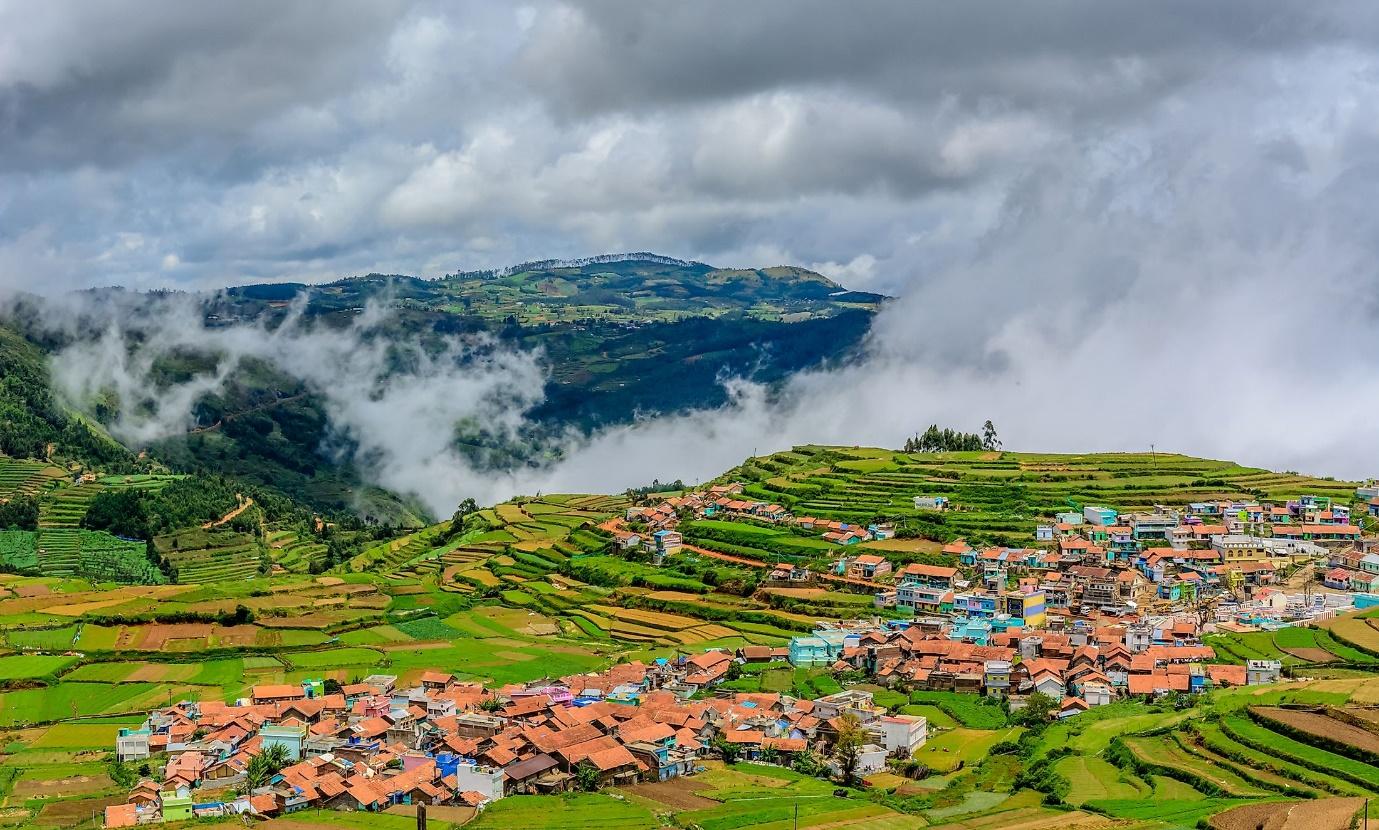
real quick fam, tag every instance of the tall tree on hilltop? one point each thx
(989, 439)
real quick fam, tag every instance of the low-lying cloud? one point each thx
(1110, 225)
(395, 405)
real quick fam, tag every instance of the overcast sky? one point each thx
(1112, 223)
(186, 144)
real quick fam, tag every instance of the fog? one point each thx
(1108, 225)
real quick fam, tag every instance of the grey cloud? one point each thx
(594, 56)
(1113, 188)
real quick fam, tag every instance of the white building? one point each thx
(1096, 693)
(132, 745)
(1262, 671)
(487, 781)
(902, 734)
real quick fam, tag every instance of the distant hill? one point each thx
(622, 334)
(633, 288)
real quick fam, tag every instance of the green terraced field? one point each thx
(211, 555)
(66, 506)
(999, 497)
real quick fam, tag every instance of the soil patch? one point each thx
(1319, 814)
(1322, 726)
(677, 793)
(1312, 655)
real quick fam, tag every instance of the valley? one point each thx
(665, 605)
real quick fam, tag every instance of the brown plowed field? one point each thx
(1312, 655)
(1323, 727)
(1320, 814)
(677, 793)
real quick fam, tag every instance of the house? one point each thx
(707, 668)
(996, 676)
(786, 572)
(931, 502)
(291, 737)
(931, 576)
(126, 815)
(868, 566)
(276, 693)
(1338, 578)
(1097, 693)
(472, 777)
(1101, 516)
(175, 806)
(901, 735)
(436, 681)
(844, 537)
(538, 775)
(1262, 671)
(870, 758)
(667, 541)
(132, 744)
(820, 649)
(1049, 683)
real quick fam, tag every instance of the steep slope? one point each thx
(618, 335)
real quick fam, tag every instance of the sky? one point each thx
(1109, 224)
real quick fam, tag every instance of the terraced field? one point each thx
(999, 497)
(294, 551)
(26, 477)
(199, 555)
(1299, 646)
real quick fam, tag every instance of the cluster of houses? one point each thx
(722, 501)
(1093, 559)
(1080, 665)
(371, 745)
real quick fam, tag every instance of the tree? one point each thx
(461, 513)
(730, 751)
(1038, 709)
(586, 776)
(264, 766)
(809, 763)
(492, 703)
(734, 671)
(944, 440)
(20, 512)
(121, 512)
(989, 439)
(847, 750)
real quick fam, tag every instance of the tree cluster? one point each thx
(934, 439)
(19, 513)
(141, 514)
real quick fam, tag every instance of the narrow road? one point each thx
(229, 517)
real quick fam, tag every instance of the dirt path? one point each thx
(260, 408)
(229, 517)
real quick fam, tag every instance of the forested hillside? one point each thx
(617, 336)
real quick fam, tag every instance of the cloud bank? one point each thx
(1110, 224)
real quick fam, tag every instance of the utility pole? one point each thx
(797, 814)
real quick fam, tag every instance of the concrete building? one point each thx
(132, 744)
(901, 735)
(292, 738)
(472, 777)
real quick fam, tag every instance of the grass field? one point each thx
(1093, 779)
(558, 812)
(27, 666)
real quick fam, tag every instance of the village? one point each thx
(1101, 607)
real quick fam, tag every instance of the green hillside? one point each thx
(621, 336)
